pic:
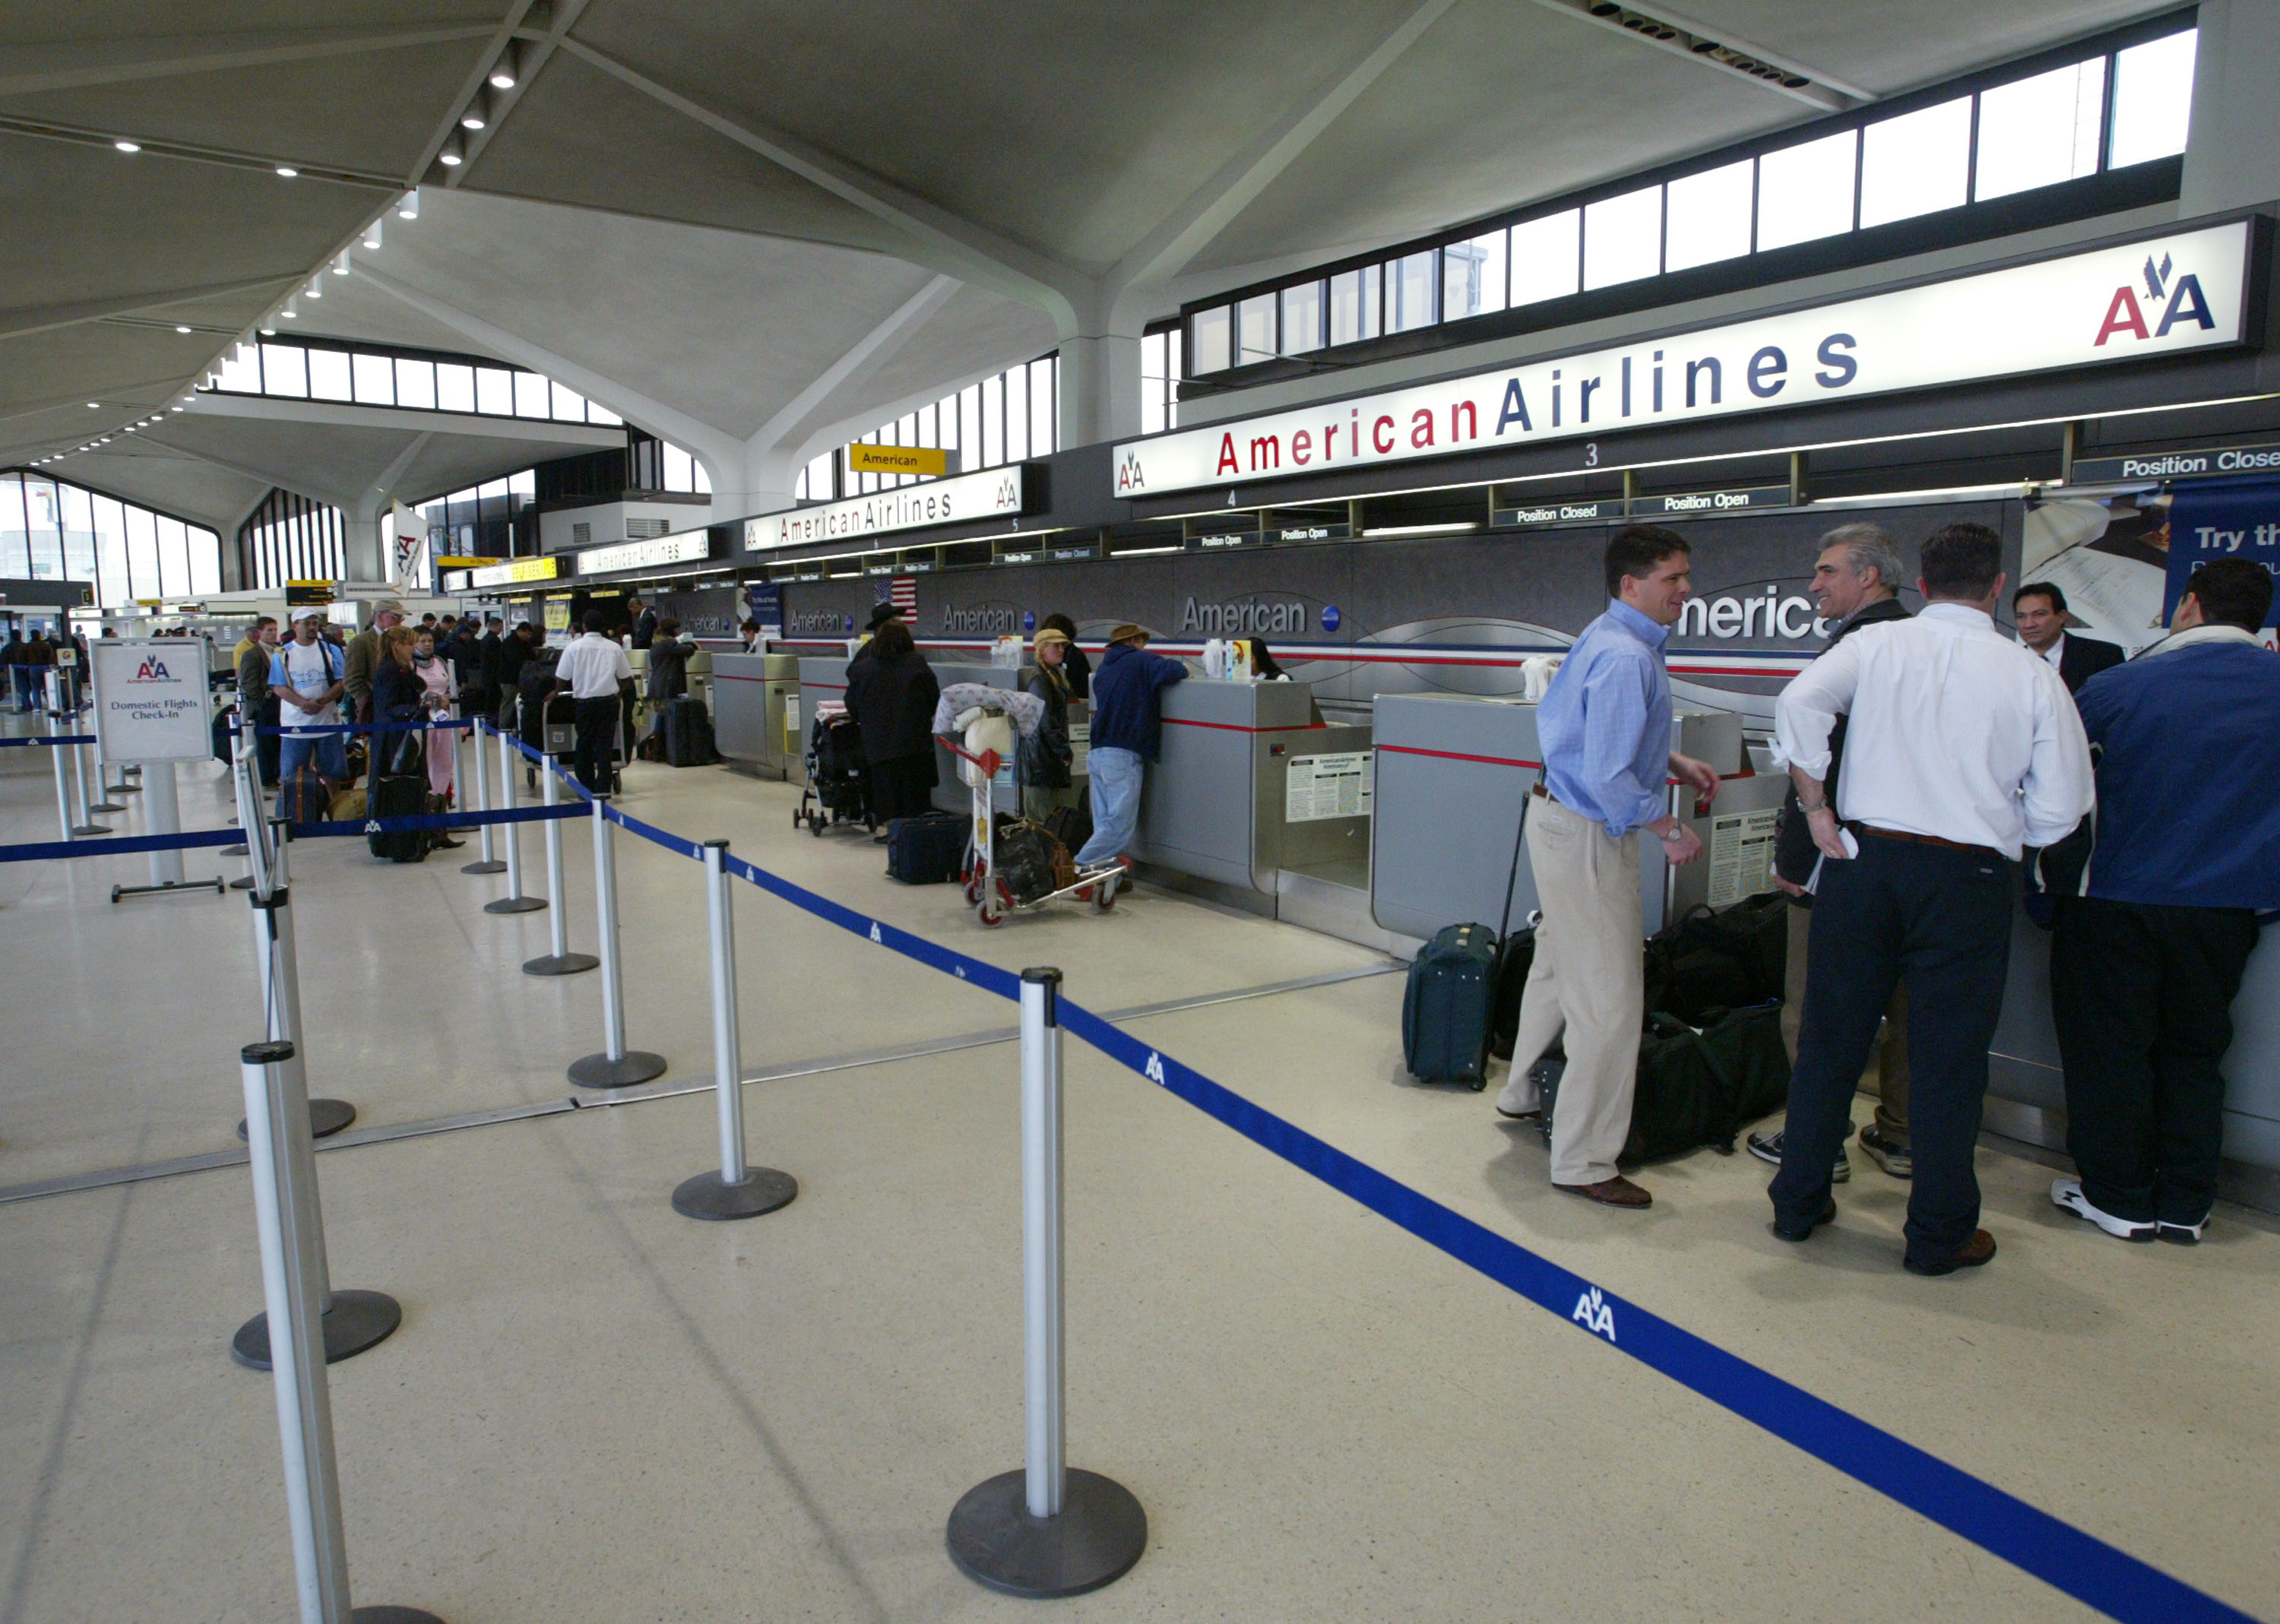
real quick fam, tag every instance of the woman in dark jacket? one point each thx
(891, 693)
(1076, 667)
(668, 665)
(1041, 761)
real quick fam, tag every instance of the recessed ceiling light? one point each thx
(316, 286)
(449, 157)
(288, 171)
(269, 331)
(178, 408)
(178, 327)
(502, 73)
(128, 146)
(372, 234)
(95, 405)
(407, 207)
(341, 265)
(472, 119)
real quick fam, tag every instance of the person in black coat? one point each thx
(892, 692)
(1075, 667)
(2040, 610)
(668, 666)
(515, 652)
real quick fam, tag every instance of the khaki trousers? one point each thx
(1892, 1056)
(1587, 984)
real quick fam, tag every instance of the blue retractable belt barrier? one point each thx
(49, 739)
(126, 845)
(310, 730)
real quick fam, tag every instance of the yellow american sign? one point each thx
(863, 459)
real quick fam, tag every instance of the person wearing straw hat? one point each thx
(1041, 762)
(1128, 728)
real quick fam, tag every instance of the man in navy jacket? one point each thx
(2145, 963)
(1127, 729)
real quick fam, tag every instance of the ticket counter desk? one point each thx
(1251, 783)
(1453, 773)
(756, 712)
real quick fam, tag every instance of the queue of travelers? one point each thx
(2135, 794)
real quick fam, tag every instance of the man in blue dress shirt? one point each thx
(1604, 730)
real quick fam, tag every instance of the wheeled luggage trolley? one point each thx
(996, 891)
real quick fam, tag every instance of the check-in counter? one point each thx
(2026, 1083)
(1453, 773)
(756, 712)
(1250, 782)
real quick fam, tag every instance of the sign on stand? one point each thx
(150, 699)
(1330, 785)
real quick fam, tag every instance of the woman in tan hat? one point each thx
(1041, 762)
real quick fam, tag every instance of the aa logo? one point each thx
(1128, 476)
(2181, 300)
(876, 936)
(152, 670)
(1154, 1070)
(372, 826)
(1594, 1314)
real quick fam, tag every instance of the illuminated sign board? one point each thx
(995, 495)
(516, 570)
(689, 547)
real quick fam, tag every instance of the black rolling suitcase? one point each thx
(1451, 1008)
(927, 849)
(398, 795)
(688, 733)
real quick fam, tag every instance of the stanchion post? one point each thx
(292, 1247)
(243, 761)
(562, 960)
(1045, 1530)
(61, 721)
(514, 901)
(737, 1191)
(352, 1321)
(62, 777)
(490, 865)
(616, 1066)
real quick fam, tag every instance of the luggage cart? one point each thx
(986, 886)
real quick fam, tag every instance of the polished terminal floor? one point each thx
(597, 1410)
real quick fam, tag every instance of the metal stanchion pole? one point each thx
(353, 1321)
(514, 901)
(87, 753)
(459, 738)
(243, 760)
(292, 1246)
(60, 716)
(62, 777)
(1045, 1530)
(616, 1066)
(490, 865)
(562, 960)
(736, 1191)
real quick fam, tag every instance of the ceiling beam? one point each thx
(654, 416)
(537, 46)
(1207, 212)
(47, 318)
(470, 88)
(1825, 93)
(937, 239)
(195, 152)
(192, 55)
(343, 415)
(788, 429)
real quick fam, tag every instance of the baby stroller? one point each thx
(835, 776)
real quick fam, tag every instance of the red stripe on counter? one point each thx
(1452, 755)
(1174, 721)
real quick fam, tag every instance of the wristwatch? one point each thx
(1670, 836)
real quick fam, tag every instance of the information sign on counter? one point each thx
(2205, 463)
(1333, 786)
(1741, 855)
(1712, 501)
(150, 702)
(1556, 512)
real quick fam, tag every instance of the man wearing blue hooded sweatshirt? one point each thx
(1127, 729)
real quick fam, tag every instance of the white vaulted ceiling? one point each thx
(740, 223)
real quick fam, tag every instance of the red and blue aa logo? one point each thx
(2178, 300)
(152, 670)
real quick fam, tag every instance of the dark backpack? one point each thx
(1720, 959)
(1024, 856)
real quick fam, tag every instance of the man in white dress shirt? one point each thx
(592, 667)
(1962, 748)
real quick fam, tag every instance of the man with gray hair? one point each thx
(1856, 580)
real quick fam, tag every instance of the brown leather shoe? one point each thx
(1970, 1255)
(1616, 1192)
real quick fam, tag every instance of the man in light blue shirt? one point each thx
(1604, 730)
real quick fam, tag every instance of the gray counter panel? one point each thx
(750, 695)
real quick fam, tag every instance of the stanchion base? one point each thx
(568, 963)
(112, 807)
(1095, 1540)
(117, 891)
(493, 866)
(236, 851)
(707, 1195)
(327, 1117)
(598, 1071)
(356, 1320)
(122, 790)
(90, 828)
(515, 904)
(392, 1615)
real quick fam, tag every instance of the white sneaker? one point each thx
(2183, 1235)
(2068, 1193)
(1521, 1098)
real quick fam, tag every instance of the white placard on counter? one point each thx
(1332, 785)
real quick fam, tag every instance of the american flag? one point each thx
(903, 593)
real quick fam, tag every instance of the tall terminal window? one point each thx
(1009, 417)
(51, 529)
(2107, 110)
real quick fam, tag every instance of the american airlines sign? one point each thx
(996, 494)
(2177, 293)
